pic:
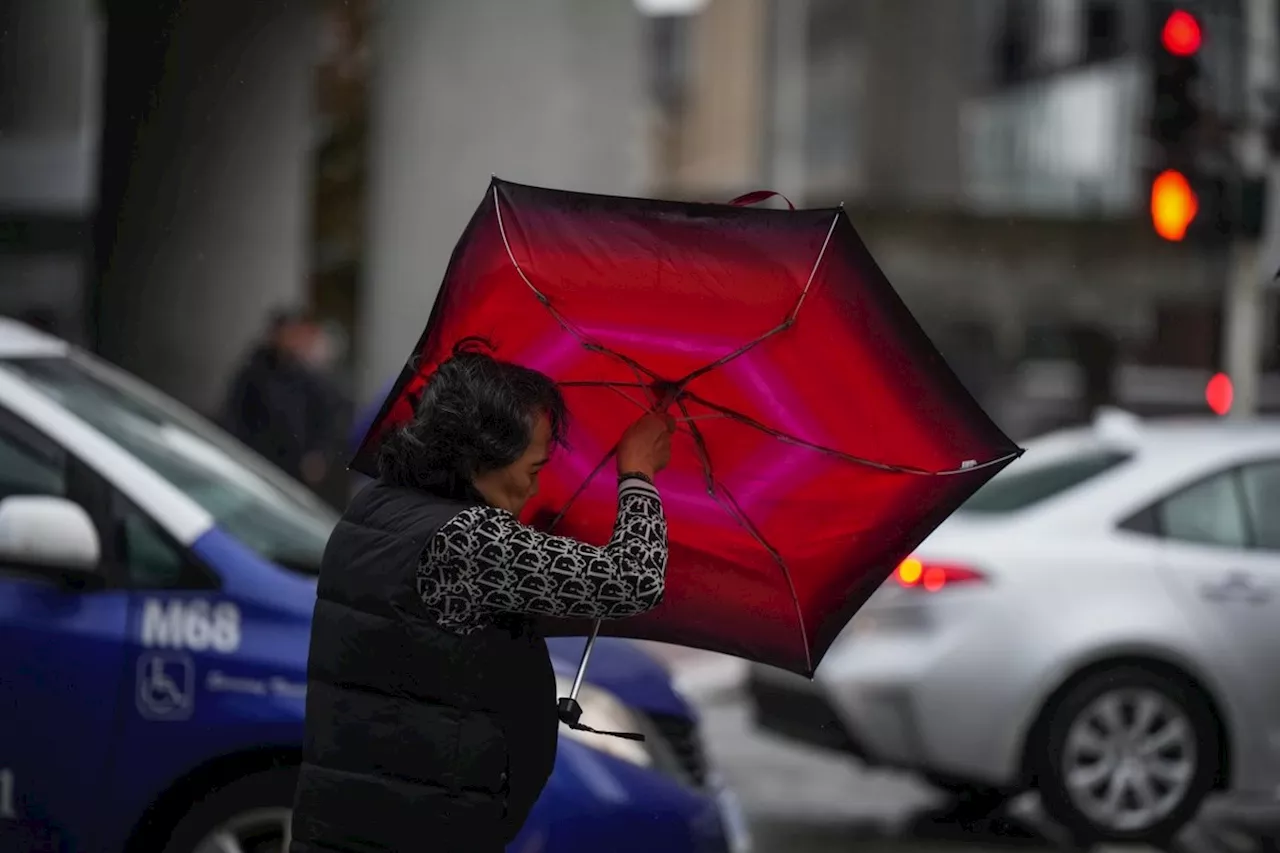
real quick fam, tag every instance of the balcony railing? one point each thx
(1066, 146)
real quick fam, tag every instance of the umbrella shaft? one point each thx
(586, 656)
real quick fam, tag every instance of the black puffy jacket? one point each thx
(416, 738)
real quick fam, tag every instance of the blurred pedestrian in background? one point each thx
(1095, 351)
(283, 405)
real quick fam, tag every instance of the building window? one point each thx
(1013, 43)
(669, 61)
(1102, 31)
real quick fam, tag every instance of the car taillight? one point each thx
(931, 576)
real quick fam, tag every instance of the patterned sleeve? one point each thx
(484, 562)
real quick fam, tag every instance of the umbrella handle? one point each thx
(748, 199)
(568, 708)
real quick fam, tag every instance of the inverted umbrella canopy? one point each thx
(820, 435)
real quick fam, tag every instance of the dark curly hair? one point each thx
(476, 415)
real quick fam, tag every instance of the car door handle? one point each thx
(1237, 586)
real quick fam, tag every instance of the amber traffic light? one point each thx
(1173, 205)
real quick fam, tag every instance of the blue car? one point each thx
(156, 588)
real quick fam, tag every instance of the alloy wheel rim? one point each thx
(264, 830)
(1129, 759)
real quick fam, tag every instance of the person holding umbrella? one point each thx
(431, 718)
(787, 512)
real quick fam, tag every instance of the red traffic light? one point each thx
(1219, 393)
(1173, 205)
(1181, 35)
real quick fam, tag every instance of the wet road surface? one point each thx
(803, 800)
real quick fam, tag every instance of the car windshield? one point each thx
(1015, 489)
(248, 498)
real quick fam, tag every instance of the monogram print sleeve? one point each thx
(484, 563)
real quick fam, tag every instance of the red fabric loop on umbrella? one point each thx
(748, 199)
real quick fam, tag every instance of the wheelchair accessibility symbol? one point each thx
(166, 686)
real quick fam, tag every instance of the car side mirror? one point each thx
(50, 537)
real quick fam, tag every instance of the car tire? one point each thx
(253, 809)
(1127, 755)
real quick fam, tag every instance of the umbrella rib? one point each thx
(581, 488)
(588, 344)
(616, 387)
(734, 510)
(700, 447)
(781, 327)
(593, 383)
(740, 351)
(632, 400)
(817, 262)
(840, 454)
(748, 525)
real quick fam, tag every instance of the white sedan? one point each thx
(1101, 622)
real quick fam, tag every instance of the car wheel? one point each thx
(251, 814)
(1128, 755)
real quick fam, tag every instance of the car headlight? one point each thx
(602, 710)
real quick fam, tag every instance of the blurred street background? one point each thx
(173, 171)
(1076, 198)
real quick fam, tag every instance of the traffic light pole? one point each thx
(1243, 332)
(1246, 290)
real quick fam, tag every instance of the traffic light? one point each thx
(1219, 394)
(1175, 107)
(1199, 193)
(1189, 205)
(1180, 33)
(1185, 202)
(1174, 204)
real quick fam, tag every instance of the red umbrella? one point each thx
(821, 436)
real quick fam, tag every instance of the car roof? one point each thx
(1197, 429)
(1165, 454)
(1196, 435)
(18, 340)
(1211, 439)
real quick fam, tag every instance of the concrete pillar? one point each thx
(50, 54)
(50, 79)
(213, 230)
(547, 92)
(727, 99)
